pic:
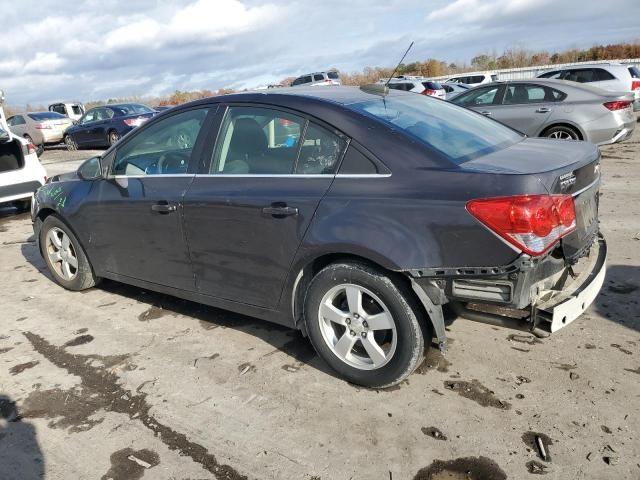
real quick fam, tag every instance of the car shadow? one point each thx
(619, 298)
(287, 340)
(20, 454)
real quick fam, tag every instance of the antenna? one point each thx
(399, 63)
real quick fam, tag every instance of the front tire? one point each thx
(364, 324)
(112, 138)
(64, 255)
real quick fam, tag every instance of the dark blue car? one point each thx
(104, 126)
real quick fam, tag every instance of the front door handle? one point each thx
(486, 113)
(280, 210)
(164, 207)
(543, 110)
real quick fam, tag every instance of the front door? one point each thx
(136, 213)
(247, 212)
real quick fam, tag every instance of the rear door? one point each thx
(525, 107)
(248, 209)
(136, 213)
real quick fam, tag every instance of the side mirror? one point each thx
(90, 169)
(4, 136)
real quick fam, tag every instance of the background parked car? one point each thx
(555, 109)
(473, 79)
(420, 85)
(103, 126)
(614, 77)
(317, 79)
(21, 173)
(72, 110)
(40, 128)
(453, 89)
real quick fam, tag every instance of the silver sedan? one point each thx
(555, 109)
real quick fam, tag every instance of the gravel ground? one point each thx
(123, 383)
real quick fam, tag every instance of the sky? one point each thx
(52, 50)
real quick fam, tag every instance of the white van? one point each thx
(72, 110)
(474, 78)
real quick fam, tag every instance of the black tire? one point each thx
(71, 144)
(112, 137)
(84, 277)
(410, 328)
(40, 149)
(562, 132)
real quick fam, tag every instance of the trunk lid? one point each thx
(562, 167)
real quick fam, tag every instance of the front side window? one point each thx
(90, 116)
(477, 97)
(163, 148)
(318, 78)
(456, 133)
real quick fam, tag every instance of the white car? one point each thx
(72, 110)
(614, 77)
(21, 173)
(473, 79)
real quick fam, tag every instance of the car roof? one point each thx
(559, 84)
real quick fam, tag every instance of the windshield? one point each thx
(457, 133)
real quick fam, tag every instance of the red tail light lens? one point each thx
(619, 105)
(532, 223)
(30, 148)
(428, 91)
(635, 84)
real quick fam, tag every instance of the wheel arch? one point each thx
(306, 273)
(563, 123)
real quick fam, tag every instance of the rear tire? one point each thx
(562, 132)
(64, 255)
(112, 137)
(364, 324)
(71, 144)
(39, 148)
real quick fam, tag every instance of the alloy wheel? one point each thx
(62, 254)
(562, 135)
(357, 326)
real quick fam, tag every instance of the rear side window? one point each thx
(635, 72)
(602, 74)
(321, 150)
(59, 109)
(521, 94)
(554, 74)
(476, 79)
(17, 120)
(356, 163)
(333, 75)
(456, 133)
(556, 95)
(588, 75)
(306, 79)
(318, 77)
(41, 116)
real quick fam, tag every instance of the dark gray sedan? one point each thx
(352, 215)
(555, 109)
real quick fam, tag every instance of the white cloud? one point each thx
(478, 10)
(46, 63)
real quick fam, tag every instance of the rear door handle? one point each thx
(164, 207)
(486, 113)
(543, 110)
(280, 210)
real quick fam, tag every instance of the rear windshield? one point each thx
(635, 72)
(333, 75)
(39, 117)
(130, 109)
(432, 85)
(455, 132)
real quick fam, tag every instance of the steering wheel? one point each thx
(172, 162)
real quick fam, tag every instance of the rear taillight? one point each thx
(618, 105)
(43, 126)
(132, 122)
(635, 84)
(28, 149)
(533, 223)
(428, 91)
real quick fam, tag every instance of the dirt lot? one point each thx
(124, 384)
